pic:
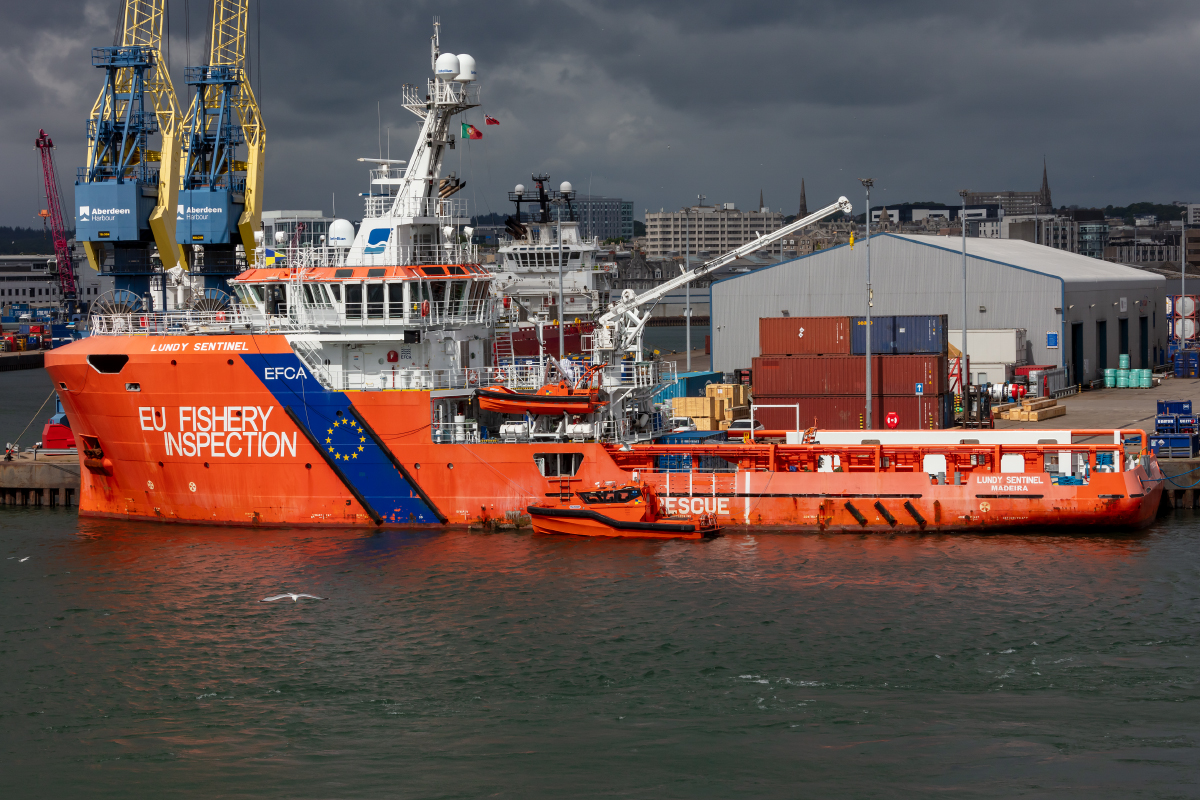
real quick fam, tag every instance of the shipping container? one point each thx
(812, 375)
(926, 333)
(993, 345)
(1174, 406)
(883, 335)
(983, 373)
(690, 384)
(1023, 371)
(803, 336)
(744, 376)
(1187, 364)
(846, 412)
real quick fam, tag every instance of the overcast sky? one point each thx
(658, 101)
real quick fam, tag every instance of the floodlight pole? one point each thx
(867, 184)
(965, 378)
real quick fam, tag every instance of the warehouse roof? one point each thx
(1071, 267)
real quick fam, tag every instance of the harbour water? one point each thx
(138, 660)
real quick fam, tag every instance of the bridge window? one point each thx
(375, 300)
(354, 296)
(377, 272)
(335, 289)
(395, 296)
(554, 465)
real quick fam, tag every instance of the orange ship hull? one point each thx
(233, 430)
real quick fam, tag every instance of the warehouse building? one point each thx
(1078, 312)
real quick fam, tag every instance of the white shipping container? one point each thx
(989, 373)
(992, 345)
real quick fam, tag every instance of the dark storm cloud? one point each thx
(659, 101)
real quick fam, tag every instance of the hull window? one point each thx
(109, 364)
(554, 465)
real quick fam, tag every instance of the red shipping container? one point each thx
(804, 336)
(814, 375)
(845, 412)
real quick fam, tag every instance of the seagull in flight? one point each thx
(294, 597)
(23, 560)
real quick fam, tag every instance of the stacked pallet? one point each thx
(1033, 410)
(722, 404)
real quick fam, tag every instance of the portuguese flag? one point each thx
(471, 132)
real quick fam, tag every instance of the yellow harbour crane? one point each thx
(221, 195)
(127, 193)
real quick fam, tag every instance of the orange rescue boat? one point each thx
(553, 398)
(629, 512)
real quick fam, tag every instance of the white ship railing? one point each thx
(392, 206)
(455, 432)
(190, 323)
(304, 258)
(514, 376)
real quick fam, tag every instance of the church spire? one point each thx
(803, 201)
(1044, 199)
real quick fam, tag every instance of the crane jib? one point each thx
(625, 306)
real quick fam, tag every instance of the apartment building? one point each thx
(711, 229)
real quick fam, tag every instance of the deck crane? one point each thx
(619, 330)
(221, 195)
(127, 192)
(58, 230)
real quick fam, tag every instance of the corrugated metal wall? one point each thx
(914, 278)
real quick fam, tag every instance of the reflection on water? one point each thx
(138, 660)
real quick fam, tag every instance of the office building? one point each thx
(711, 229)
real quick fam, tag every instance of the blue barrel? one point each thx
(1123, 361)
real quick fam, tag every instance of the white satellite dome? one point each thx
(341, 233)
(280, 237)
(565, 187)
(520, 188)
(466, 68)
(446, 66)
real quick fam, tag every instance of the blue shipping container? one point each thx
(921, 334)
(690, 384)
(883, 336)
(1175, 406)
(1178, 445)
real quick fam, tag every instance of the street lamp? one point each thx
(687, 289)
(561, 198)
(867, 184)
(964, 376)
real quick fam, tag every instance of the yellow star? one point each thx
(354, 455)
(362, 438)
(360, 448)
(337, 457)
(327, 439)
(353, 423)
(331, 449)
(329, 431)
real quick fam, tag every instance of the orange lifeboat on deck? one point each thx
(627, 512)
(553, 398)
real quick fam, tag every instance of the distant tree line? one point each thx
(27, 241)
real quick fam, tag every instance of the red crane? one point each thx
(53, 212)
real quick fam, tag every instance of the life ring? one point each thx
(220, 316)
(424, 308)
(472, 377)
